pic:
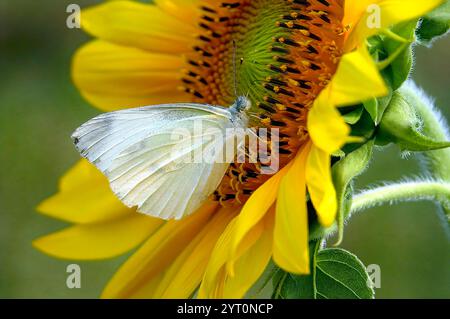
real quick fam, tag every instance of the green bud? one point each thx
(401, 125)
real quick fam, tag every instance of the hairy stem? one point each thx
(402, 192)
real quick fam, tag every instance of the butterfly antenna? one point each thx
(256, 117)
(235, 69)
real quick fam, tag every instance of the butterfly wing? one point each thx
(154, 156)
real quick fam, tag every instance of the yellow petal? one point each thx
(186, 272)
(216, 264)
(84, 197)
(99, 241)
(187, 11)
(290, 244)
(146, 290)
(320, 185)
(255, 208)
(391, 12)
(354, 9)
(251, 265)
(216, 272)
(326, 126)
(134, 24)
(357, 79)
(112, 77)
(157, 253)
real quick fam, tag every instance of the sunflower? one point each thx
(298, 62)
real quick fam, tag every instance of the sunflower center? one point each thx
(281, 53)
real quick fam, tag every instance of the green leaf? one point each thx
(344, 171)
(401, 125)
(337, 274)
(340, 274)
(289, 286)
(435, 24)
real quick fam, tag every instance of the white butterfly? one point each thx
(148, 168)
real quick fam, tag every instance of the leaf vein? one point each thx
(341, 262)
(340, 282)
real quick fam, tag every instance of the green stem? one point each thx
(399, 192)
(402, 192)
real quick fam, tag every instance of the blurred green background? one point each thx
(39, 108)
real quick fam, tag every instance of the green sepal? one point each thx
(353, 116)
(401, 125)
(376, 107)
(383, 103)
(364, 128)
(399, 68)
(343, 172)
(371, 107)
(434, 24)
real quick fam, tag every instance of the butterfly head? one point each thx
(242, 104)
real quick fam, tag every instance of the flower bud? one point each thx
(401, 125)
